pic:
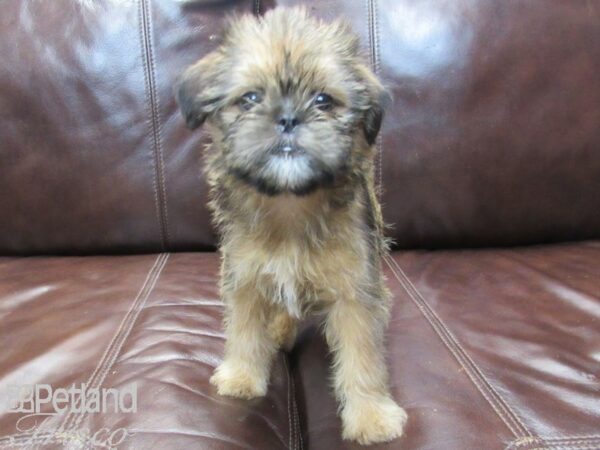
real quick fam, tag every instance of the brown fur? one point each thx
(303, 235)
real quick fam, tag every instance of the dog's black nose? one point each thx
(287, 123)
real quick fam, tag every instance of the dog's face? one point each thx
(291, 104)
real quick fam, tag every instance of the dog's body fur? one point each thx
(299, 233)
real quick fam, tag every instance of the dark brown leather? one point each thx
(488, 349)
(492, 138)
(94, 156)
(111, 321)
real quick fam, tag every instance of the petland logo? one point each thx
(38, 398)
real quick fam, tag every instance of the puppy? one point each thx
(293, 112)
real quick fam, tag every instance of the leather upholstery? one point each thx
(95, 156)
(153, 320)
(492, 137)
(488, 349)
(492, 140)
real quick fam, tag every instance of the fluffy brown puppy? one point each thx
(293, 113)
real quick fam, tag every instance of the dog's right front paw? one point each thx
(373, 421)
(235, 381)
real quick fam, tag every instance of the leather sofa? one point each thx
(489, 170)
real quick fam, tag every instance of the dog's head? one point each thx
(289, 100)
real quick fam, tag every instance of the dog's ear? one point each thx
(378, 98)
(198, 90)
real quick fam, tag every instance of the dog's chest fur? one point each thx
(296, 252)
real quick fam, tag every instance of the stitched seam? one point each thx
(111, 344)
(545, 446)
(505, 413)
(40, 439)
(570, 447)
(26, 436)
(158, 129)
(152, 275)
(291, 441)
(9, 441)
(523, 441)
(549, 442)
(112, 351)
(502, 401)
(257, 7)
(373, 25)
(149, 120)
(296, 414)
(377, 71)
(461, 351)
(154, 123)
(136, 312)
(296, 441)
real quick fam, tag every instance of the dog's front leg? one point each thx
(249, 347)
(354, 330)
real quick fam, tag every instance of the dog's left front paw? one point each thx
(235, 381)
(368, 422)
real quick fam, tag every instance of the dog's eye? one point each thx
(249, 99)
(323, 101)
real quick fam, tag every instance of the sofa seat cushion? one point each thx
(109, 322)
(488, 349)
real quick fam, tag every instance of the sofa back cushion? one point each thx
(493, 137)
(94, 156)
